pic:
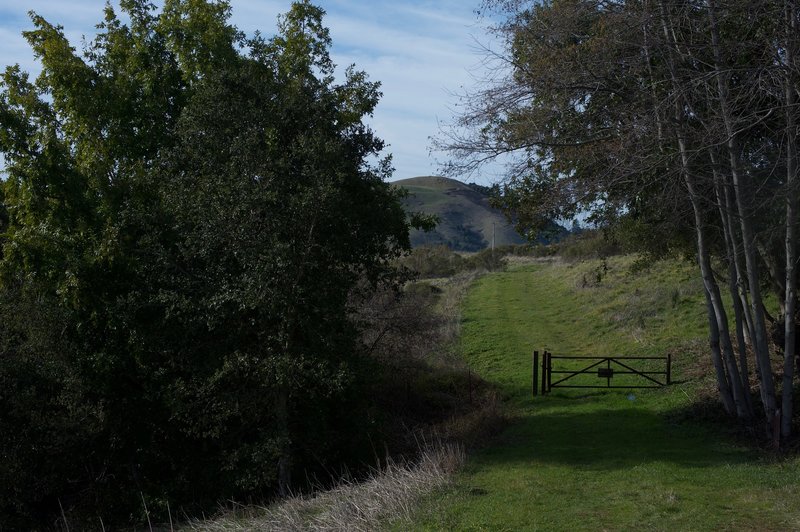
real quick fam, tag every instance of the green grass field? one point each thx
(599, 459)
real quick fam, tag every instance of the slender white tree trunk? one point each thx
(716, 357)
(741, 284)
(741, 189)
(743, 373)
(728, 377)
(730, 383)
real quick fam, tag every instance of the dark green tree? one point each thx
(190, 214)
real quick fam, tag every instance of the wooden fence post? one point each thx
(669, 368)
(544, 372)
(549, 370)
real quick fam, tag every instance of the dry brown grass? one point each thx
(388, 495)
(526, 260)
(475, 428)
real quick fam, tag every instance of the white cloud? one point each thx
(422, 53)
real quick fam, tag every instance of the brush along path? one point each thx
(593, 459)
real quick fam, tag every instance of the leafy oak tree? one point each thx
(190, 214)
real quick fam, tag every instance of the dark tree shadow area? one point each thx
(608, 438)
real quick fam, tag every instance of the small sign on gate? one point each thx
(605, 373)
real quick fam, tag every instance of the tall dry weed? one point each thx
(387, 495)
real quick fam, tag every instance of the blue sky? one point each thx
(422, 51)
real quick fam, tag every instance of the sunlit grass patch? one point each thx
(600, 459)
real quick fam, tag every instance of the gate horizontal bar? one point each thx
(603, 387)
(606, 358)
(615, 372)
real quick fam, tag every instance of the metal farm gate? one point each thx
(584, 371)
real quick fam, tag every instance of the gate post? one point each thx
(535, 381)
(549, 370)
(669, 368)
(544, 373)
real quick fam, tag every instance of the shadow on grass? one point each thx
(610, 437)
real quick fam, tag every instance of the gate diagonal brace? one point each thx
(637, 372)
(579, 372)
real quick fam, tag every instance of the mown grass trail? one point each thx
(598, 460)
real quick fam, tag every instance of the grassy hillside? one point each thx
(604, 460)
(466, 219)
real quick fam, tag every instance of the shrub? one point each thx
(589, 244)
(487, 260)
(440, 261)
(433, 261)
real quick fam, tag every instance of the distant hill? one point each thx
(465, 218)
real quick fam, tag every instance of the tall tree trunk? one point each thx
(735, 281)
(718, 318)
(649, 66)
(285, 458)
(733, 288)
(716, 357)
(774, 260)
(741, 296)
(729, 382)
(760, 344)
(791, 221)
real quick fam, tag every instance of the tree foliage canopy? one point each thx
(188, 215)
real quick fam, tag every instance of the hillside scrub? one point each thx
(421, 387)
(188, 217)
(466, 219)
(587, 244)
(441, 261)
(578, 245)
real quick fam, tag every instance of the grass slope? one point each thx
(466, 219)
(593, 459)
